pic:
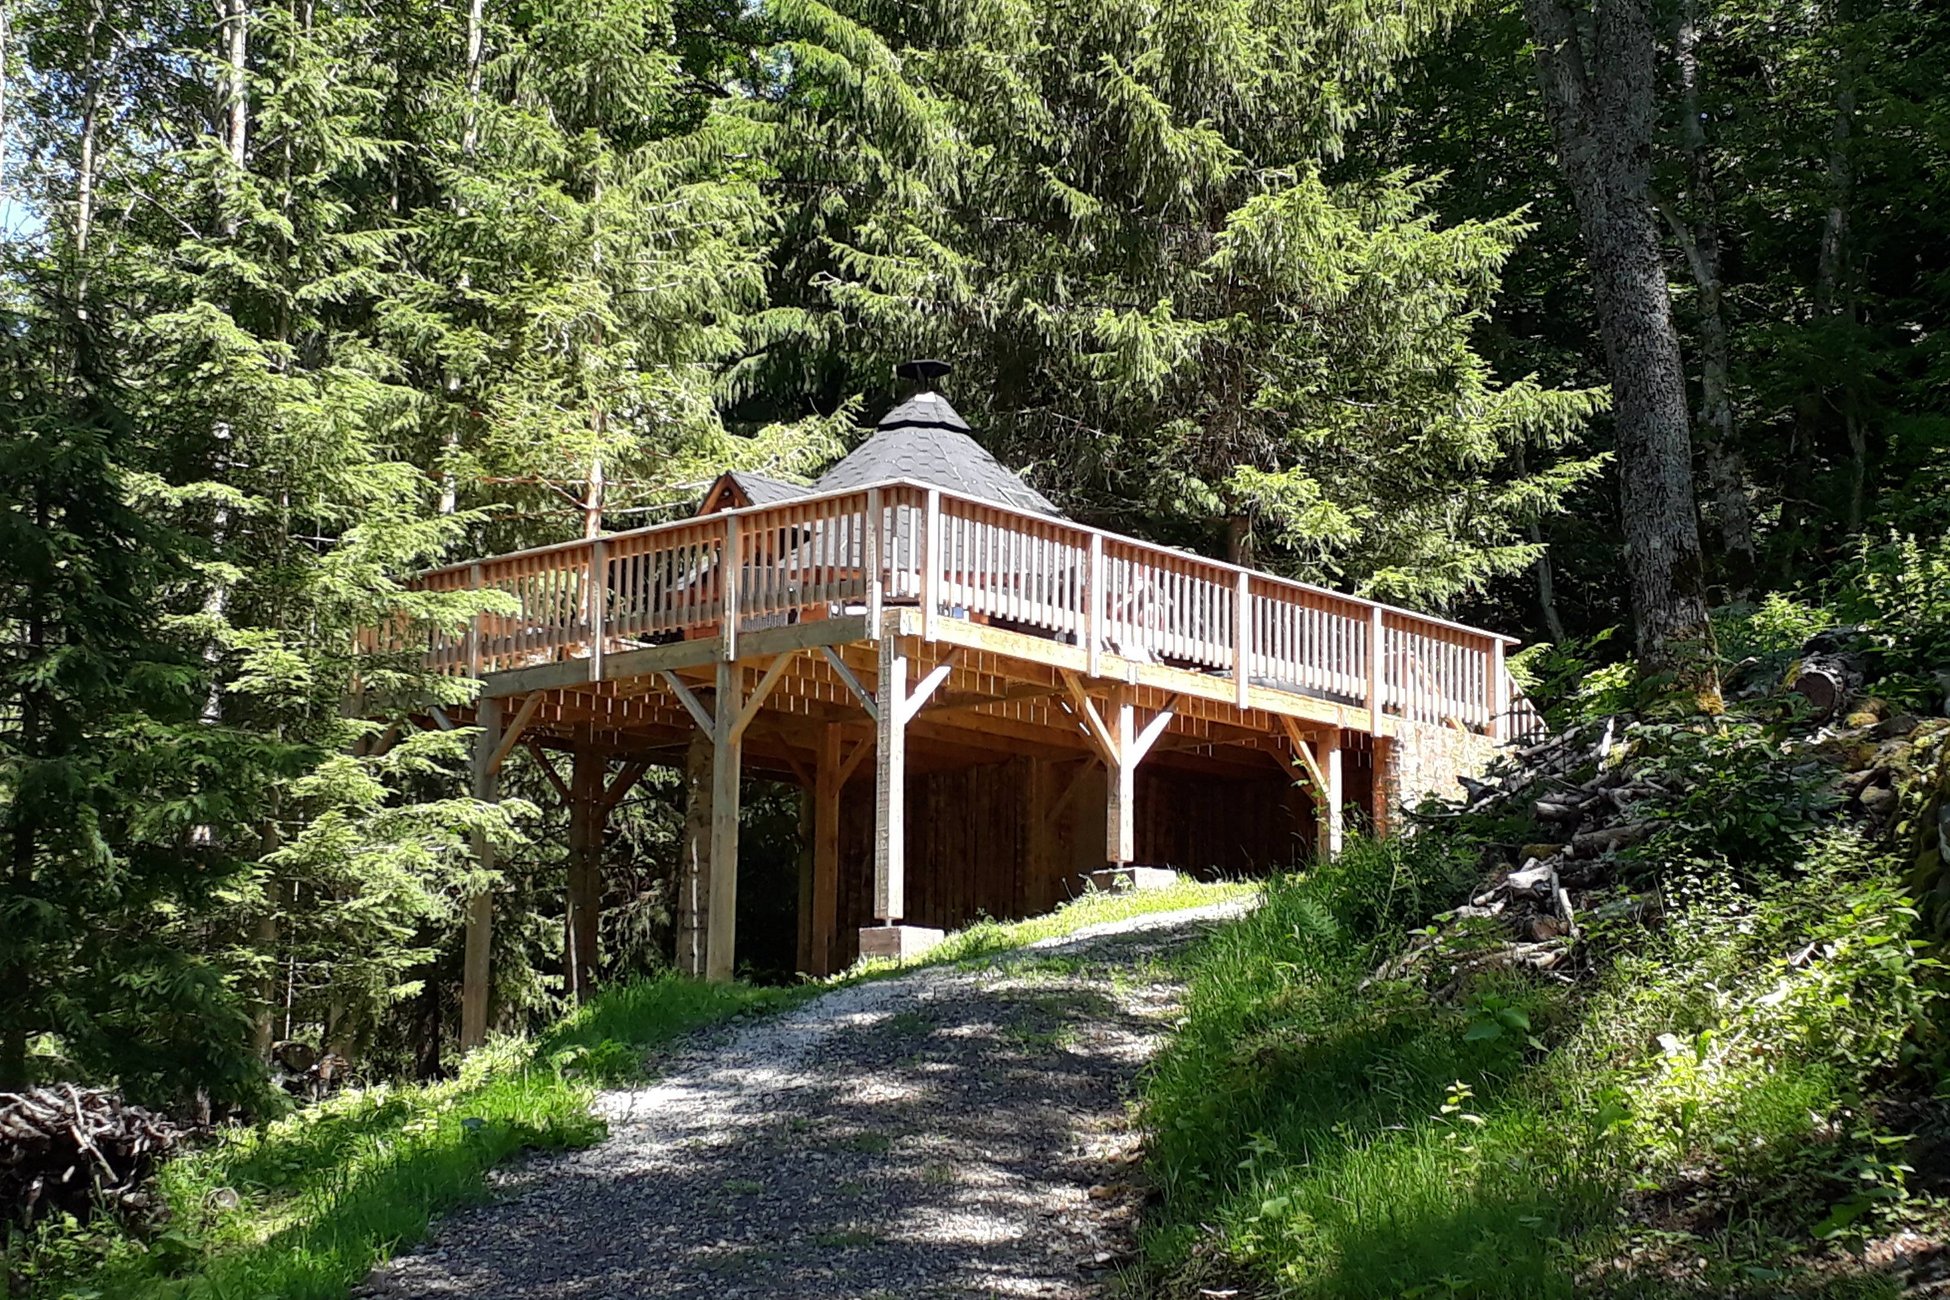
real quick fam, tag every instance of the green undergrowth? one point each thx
(303, 1207)
(1729, 1098)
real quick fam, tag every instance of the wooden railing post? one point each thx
(1498, 685)
(931, 563)
(1377, 669)
(1093, 604)
(1242, 635)
(597, 601)
(870, 558)
(728, 566)
(474, 626)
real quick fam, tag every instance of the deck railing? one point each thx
(957, 557)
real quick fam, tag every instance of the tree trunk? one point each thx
(470, 138)
(1546, 577)
(1828, 297)
(236, 24)
(1726, 469)
(1603, 120)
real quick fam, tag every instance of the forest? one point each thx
(1616, 325)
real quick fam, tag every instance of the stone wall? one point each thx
(1424, 760)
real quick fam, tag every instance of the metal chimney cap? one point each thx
(923, 371)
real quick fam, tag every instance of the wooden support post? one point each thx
(479, 945)
(828, 781)
(1120, 803)
(1332, 829)
(1381, 789)
(727, 747)
(1322, 761)
(583, 915)
(694, 864)
(890, 785)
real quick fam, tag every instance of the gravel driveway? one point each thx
(951, 1132)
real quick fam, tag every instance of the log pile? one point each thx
(75, 1150)
(1575, 803)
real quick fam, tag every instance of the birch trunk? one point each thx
(470, 139)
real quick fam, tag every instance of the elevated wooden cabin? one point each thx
(987, 701)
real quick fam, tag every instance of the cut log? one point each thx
(74, 1150)
(1607, 838)
(1824, 683)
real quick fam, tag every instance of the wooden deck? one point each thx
(925, 630)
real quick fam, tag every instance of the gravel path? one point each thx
(950, 1132)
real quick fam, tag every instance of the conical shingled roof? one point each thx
(926, 440)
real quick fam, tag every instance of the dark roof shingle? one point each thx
(926, 440)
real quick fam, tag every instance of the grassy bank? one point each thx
(302, 1208)
(1726, 1098)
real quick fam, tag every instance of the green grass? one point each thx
(1681, 1127)
(988, 937)
(302, 1208)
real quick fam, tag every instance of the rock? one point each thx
(1880, 801)
(1902, 724)
(1854, 783)
(1548, 927)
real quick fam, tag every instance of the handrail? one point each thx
(905, 541)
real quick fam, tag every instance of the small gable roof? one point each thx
(738, 488)
(926, 440)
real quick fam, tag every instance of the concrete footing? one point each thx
(897, 941)
(1123, 880)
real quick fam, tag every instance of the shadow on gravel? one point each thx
(941, 1135)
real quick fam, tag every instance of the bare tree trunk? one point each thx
(470, 139)
(3, 101)
(236, 25)
(1604, 121)
(1829, 296)
(1700, 239)
(91, 104)
(1546, 577)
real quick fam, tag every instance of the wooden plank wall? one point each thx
(978, 844)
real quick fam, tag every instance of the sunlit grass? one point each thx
(1318, 1132)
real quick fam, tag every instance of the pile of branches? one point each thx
(1572, 805)
(77, 1150)
(1581, 808)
